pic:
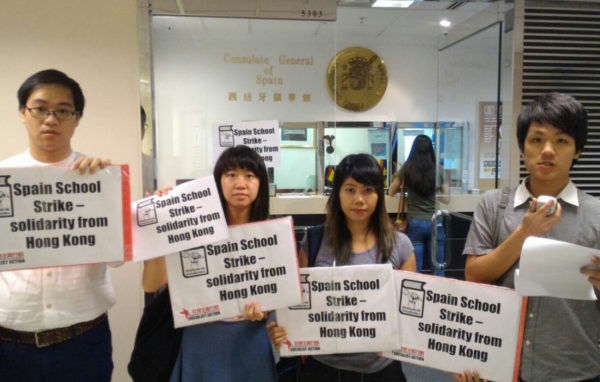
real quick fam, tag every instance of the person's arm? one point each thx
(444, 195)
(302, 259)
(491, 266)
(394, 187)
(154, 275)
(410, 264)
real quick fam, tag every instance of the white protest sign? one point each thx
(53, 216)
(345, 309)
(188, 216)
(456, 325)
(258, 263)
(261, 136)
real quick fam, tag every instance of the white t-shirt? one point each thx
(49, 298)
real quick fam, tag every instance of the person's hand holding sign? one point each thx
(84, 163)
(468, 376)
(252, 312)
(593, 272)
(277, 334)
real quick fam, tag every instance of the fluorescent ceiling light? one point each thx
(445, 23)
(392, 3)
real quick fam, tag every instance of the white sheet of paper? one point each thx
(552, 268)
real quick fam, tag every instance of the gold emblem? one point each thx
(356, 78)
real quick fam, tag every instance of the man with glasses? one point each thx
(53, 323)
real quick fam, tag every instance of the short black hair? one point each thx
(244, 157)
(53, 77)
(559, 110)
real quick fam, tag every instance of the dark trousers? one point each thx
(86, 357)
(315, 371)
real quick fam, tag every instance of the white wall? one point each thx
(96, 44)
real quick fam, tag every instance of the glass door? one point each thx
(467, 151)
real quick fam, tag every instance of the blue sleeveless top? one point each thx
(225, 352)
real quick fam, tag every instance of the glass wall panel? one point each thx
(213, 71)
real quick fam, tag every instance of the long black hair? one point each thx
(419, 169)
(364, 169)
(243, 157)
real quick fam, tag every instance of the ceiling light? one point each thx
(445, 23)
(392, 3)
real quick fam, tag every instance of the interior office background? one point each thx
(106, 47)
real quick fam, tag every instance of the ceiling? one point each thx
(355, 18)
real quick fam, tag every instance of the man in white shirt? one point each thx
(53, 323)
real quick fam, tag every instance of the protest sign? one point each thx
(258, 263)
(53, 216)
(188, 216)
(261, 136)
(456, 325)
(345, 309)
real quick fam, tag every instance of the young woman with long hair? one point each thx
(357, 231)
(421, 179)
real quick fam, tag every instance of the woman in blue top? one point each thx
(236, 349)
(357, 231)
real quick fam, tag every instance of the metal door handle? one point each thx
(434, 261)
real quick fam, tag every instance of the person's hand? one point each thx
(593, 272)
(537, 223)
(277, 334)
(163, 191)
(252, 312)
(84, 163)
(468, 376)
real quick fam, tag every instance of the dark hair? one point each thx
(559, 110)
(51, 77)
(244, 157)
(143, 119)
(364, 169)
(419, 169)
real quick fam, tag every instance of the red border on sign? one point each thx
(126, 207)
(520, 340)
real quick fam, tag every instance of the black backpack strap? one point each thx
(500, 215)
(314, 237)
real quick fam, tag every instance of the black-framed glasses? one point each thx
(43, 113)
